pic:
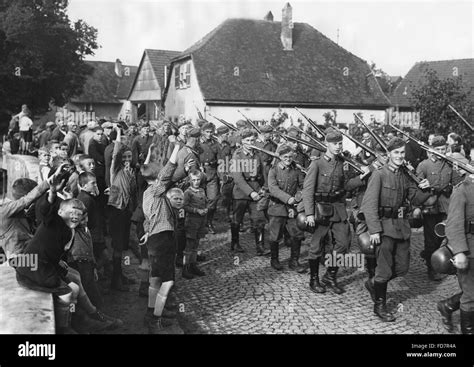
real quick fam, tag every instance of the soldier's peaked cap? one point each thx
(333, 136)
(247, 132)
(395, 143)
(438, 141)
(266, 129)
(208, 126)
(284, 149)
(194, 132)
(222, 130)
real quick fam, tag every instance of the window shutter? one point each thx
(188, 74)
(176, 76)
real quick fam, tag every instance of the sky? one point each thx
(393, 34)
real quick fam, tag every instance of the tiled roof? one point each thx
(444, 69)
(316, 72)
(104, 86)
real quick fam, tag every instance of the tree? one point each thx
(431, 99)
(41, 54)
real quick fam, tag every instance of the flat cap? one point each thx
(222, 130)
(395, 143)
(50, 123)
(333, 136)
(194, 132)
(107, 125)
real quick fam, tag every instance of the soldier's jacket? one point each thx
(234, 140)
(225, 150)
(184, 155)
(266, 159)
(390, 188)
(326, 175)
(358, 187)
(461, 210)
(246, 182)
(283, 183)
(209, 155)
(441, 177)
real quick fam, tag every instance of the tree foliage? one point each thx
(432, 97)
(41, 54)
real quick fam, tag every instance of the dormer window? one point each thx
(182, 76)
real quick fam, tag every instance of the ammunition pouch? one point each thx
(470, 226)
(323, 212)
(262, 204)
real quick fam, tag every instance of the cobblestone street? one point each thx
(242, 294)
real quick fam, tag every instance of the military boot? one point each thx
(314, 284)
(210, 226)
(275, 262)
(369, 284)
(259, 239)
(330, 280)
(187, 273)
(380, 304)
(446, 309)
(295, 256)
(467, 322)
(235, 244)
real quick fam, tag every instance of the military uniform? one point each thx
(244, 184)
(441, 177)
(284, 182)
(225, 180)
(209, 155)
(460, 235)
(385, 207)
(324, 190)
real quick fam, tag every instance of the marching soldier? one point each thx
(441, 178)
(300, 156)
(385, 208)
(235, 137)
(324, 205)
(188, 157)
(460, 235)
(268, 144)
(249, 181)
(226, 181)
(210, 152)
(284, 181)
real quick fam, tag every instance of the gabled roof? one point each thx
(311, 74)
(158, 60)
(444, 69)
(104, 86)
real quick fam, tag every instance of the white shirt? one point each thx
(25, 123)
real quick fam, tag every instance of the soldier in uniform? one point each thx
(284, 181)
(249, 180)
(385, 208)
(209, 155)
(226, 181)
(235, 138)
(183, 127)
(300, 156)
(442, 178)
(324, 205)
(188, 157)
(268, 144)
(460, 235)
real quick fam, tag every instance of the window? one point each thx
(182, 76)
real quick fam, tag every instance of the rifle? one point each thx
(308, 135)
(277, 156)
(312, 123)
(462, 118)
(224, 122)
(251, 122)
(453, 161)
(201, 117)
(322, 148)
(357, 142)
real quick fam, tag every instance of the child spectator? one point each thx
(63, 150)
(122, 203)
(159, 228)
(89, 195)
(53, 238)
(44, 164)
(196, 207)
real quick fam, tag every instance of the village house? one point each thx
(105, 92)
(150, 81)
(257, 66)
(402, 112)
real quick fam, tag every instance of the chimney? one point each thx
(269, 17)
(287, 27)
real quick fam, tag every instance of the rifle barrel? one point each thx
(277, 156)
(461, 117)
(250, 122)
